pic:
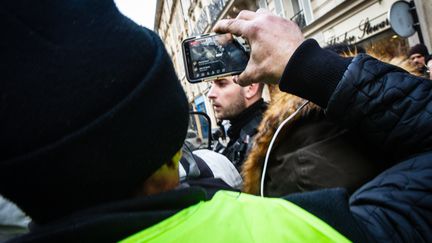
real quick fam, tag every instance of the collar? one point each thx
(115, 221)
(245, 117)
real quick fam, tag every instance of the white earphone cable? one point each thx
(271, 145)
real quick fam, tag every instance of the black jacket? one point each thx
(243, 129)
(115, 221)
(392, 111)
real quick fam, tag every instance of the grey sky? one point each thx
(140, 11)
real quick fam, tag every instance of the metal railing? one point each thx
(299, 19)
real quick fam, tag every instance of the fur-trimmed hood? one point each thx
(281, 106)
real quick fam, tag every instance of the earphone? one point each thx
(271, 145)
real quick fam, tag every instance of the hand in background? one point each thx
(429, 66)
(273, 40)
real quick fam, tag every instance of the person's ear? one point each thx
(251, 90)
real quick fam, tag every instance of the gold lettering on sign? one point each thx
(366, 29)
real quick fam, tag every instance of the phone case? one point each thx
(242, 45)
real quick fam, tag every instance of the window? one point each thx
(279, 8)
(262, 4)
(302, 12)
(203, 123)
(214, 9)
(185, 8)
(298, 16)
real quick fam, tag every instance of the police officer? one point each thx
(243, 108)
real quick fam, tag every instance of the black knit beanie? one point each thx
(418, 49)
(90, 106)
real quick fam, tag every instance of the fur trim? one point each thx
(282, 105)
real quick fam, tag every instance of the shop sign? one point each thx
(365, 23)
(365, 29)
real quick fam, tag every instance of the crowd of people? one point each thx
(93, 152)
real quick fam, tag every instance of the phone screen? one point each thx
(213, 56)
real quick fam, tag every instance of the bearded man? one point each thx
(243, 108)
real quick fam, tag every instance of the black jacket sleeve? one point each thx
(313, 73)
(383, 103)
(392, 110)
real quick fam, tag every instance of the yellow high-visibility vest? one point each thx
(240, 217)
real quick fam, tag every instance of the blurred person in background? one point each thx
(418, 55)
(429, 66)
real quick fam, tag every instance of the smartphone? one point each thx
(211, 56)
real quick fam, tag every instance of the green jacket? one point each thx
(239, 217)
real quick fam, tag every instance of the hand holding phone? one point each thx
(273, 41)
(212, 56)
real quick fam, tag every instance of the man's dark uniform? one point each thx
(243, 128)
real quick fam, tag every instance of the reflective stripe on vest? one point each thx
(239, 217)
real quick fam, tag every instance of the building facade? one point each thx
(177, 20)
(360, 22)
